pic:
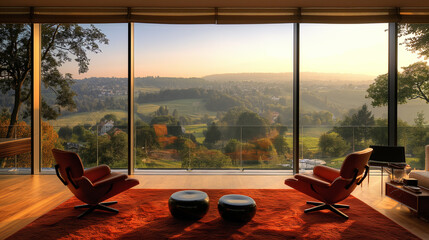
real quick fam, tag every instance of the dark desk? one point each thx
(417, 202)
(12, 147)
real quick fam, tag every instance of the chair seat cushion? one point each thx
(313, 180)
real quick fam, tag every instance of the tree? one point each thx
(79, 131)
(332, 144)
(109, 117)
(281, 145)
(166, 119)
(417, 39)
(119, 146)
(65, 133)
(162, 111)
(232, 115)
(413, 83)
(59, 41)
(49, 141)
(205, 158)
(357, 126)
(419, 137)
(251, 126)
(212, 135)
(233, 149)
(145, 137)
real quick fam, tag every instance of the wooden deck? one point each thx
(24, 198)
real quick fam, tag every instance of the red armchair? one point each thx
(330, 185)
(93, 185)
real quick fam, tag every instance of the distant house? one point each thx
(274, 115)
(106, 126)
(74, 147)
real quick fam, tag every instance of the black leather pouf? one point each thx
(237, 208)
(189, 204)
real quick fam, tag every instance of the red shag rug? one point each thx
(144, 214)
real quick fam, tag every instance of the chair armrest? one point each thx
(327, 173)
(312, 181)
(95, 173)
(116, 177)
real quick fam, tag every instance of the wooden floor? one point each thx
(23, 198)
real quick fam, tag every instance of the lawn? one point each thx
(197, 130)
(86, 118)
(158, 163)
(193, 108)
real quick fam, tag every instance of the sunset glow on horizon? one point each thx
(201, 50)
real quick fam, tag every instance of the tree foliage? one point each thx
(414, 80)
(416, 38)
(65, 133)
(332, 144)
(111, 149)
(250, 126)
(357, 126)
(281, 145)
(59, 43)
(145, 137)
(212, 135)
(23, 130)
(413, 83)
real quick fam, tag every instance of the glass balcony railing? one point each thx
(329, 145)
(20, 163)
(96, 144)
(200, 146)
(213, 147)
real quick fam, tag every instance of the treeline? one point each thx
(170, 82)
(214, 100)
(173, 94)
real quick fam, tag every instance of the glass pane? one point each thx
(413, 92)
(340, 63)
(84, 92)
(213, 96)
(15, 102)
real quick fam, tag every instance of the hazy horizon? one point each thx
(314, 75)
(202, 50)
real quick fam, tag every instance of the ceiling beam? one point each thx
(216, 3)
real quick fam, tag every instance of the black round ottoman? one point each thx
(189, 204)
(237, 208)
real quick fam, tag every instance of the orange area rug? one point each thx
(144, 214)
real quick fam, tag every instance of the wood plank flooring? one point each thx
(24, 198)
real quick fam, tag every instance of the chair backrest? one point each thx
(355, 164)
(69, 166)
(70, 171)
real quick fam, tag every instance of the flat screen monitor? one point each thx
(388, 154)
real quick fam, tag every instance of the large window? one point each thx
(15, 96)
(339, 64)
(413, 92)
(84, 92)
(213, 96)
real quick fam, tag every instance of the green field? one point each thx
(152, 163)
(86, 118)
(193, 108)
(197, 131)
(145, 90)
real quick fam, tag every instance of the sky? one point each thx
(200, 50)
